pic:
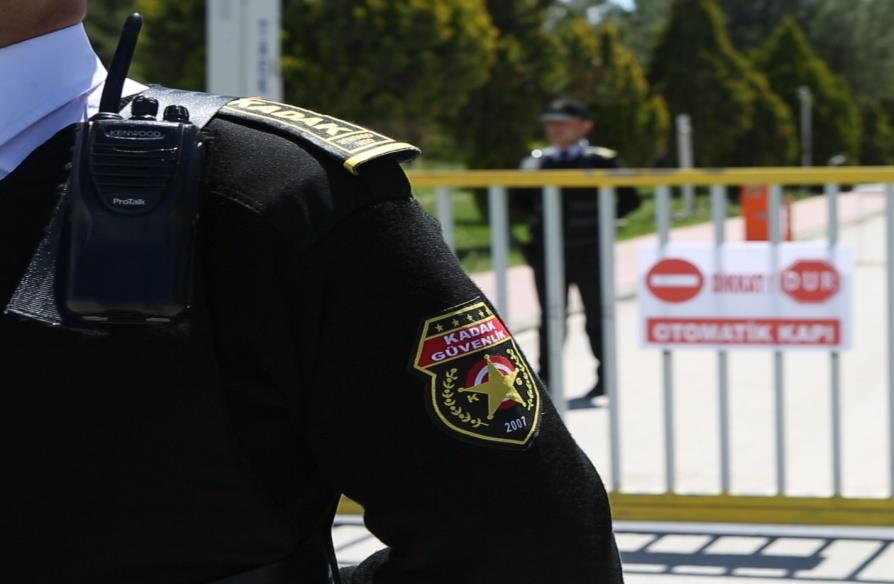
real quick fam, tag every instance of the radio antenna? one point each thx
(127, 44)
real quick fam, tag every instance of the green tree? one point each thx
(854, 38)
(104, 22)
(639, 28)
(887, 102)
(750, 22)
(397, 65)
(607, 77)
(789, 63)
(172, 51)
(499, 121)
(877, 143)
(736, 119)
(772, 139)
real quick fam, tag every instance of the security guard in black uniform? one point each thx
(333, 346)
(566, 124)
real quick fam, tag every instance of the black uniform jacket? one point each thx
(185, 453)
(580, 207)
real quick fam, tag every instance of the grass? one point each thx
(472, 232)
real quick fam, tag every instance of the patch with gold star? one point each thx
(482, 389)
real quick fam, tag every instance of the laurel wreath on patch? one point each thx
(447, 393)
(523, 370)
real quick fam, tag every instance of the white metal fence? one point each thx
(551, 183)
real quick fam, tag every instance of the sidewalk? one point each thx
(685, 553)
(809, 222)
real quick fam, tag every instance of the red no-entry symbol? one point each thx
(674, 280)
(811, 281)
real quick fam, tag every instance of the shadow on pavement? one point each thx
(716, 553)
(738, 558)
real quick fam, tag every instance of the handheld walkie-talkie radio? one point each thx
(133, 206)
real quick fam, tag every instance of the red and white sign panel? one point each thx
(746, 295)
(674, 280)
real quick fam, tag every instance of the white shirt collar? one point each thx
(47, 83)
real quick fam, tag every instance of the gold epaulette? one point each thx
(603, 152)
(351, 144)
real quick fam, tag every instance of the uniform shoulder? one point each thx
(543, 152)
(601, 152)
(351, 145)
(301, 172)
(534, 160)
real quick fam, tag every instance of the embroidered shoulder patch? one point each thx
(482, 389)
(353, 145)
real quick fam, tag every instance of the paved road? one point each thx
(686, 553)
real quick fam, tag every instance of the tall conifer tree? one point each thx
(877, 139)
(500, 119)
(789, 63)
(737, 120)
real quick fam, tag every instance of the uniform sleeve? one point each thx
(451, 503)
(521, 200)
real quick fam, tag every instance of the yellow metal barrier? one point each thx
(653, 177)
(749, 509)
(736, 509)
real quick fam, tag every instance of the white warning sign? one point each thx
(746, 295)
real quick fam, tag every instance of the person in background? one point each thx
(566, 125)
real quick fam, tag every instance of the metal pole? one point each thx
(499, 245)
(662, 223)
(835, 356)
(718, 208)
(608, 371)
(555, 292)
(805, 97)
(445, 215)
(778, 363)
(889, 276)
(684, 153)
(244, 48)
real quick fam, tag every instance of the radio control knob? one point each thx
(144, 107)
(176, 113)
